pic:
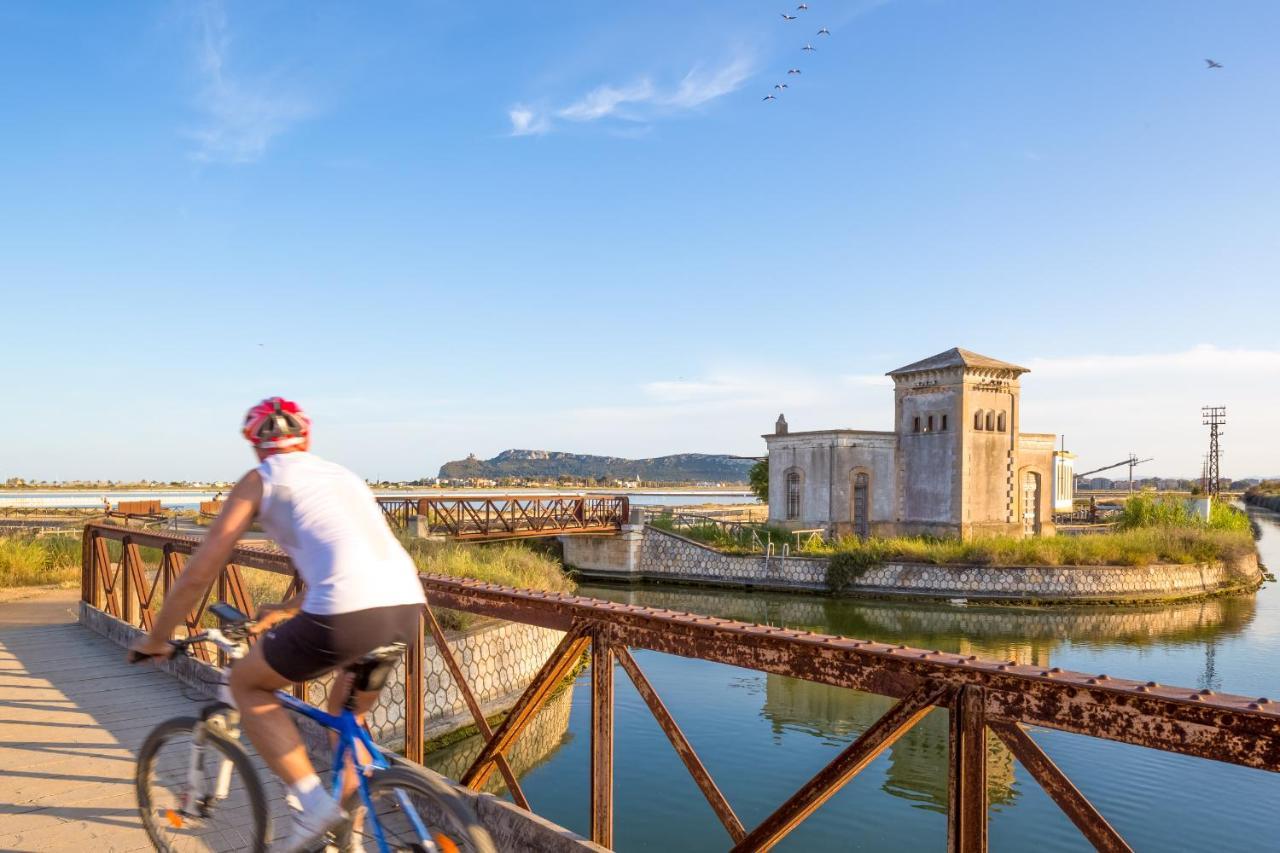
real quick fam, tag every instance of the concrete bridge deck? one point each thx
(72, 717)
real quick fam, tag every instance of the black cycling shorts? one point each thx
(312, 644)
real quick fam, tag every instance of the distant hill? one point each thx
(548, 464)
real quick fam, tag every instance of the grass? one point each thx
(26, 561)
(506, 563)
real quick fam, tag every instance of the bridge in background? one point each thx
(506, 516)
(125, 569)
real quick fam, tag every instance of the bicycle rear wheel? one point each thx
(406, 802)
(199, 793)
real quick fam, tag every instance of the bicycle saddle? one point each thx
(372, 669)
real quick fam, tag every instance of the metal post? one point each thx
(967, 776)
(415, 722)
(602, 658)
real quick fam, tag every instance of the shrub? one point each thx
(34, 562)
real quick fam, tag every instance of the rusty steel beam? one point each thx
(477, 713)
(510, 516)
(602, 737)
(1235, 729)
(967, 773)
(548, 678)
(683, 748)
(415, 712)
(1092, 825)
(881, 735)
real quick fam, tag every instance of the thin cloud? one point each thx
(241, 117)
(1198, 359)
(606, 101)
(641, 101)
(527, 122)
(701, 85)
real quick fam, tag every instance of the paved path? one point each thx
(72, 716)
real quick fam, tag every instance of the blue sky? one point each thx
(448, 228)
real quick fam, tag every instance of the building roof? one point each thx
(956, 357)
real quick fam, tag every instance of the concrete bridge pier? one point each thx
(609, 554)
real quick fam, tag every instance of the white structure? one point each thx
(955, 464)
(1064, 481)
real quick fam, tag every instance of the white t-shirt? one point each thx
(330, 524)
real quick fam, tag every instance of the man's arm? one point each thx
(205, 564)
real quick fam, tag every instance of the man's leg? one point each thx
(272, 733)
(364, 701)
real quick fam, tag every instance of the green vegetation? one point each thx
(508, 563)
(28, 561)
(758, 479)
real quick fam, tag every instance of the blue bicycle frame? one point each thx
(350, 732)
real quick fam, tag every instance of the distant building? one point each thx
(955, 464)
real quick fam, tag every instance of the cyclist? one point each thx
(361, 591)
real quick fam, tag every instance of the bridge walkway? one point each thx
(73, 715)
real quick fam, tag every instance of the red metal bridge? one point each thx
(507, 516)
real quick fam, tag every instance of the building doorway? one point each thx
(1030, 503)
(861, 501)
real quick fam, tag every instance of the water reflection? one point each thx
(915, 760)
(546, 735)
(1024, 634)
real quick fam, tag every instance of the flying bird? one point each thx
(770, 97)
(802, 7)
(808, 47)
(779, 85)
(793, 70)
(1213, 64)
(787, 17)
(824, 32)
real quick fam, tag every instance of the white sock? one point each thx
(310, 793)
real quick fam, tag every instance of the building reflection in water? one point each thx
(917, 769)
(545, 736)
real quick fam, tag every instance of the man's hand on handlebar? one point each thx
(148, 646)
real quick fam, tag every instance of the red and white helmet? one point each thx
(277, 424)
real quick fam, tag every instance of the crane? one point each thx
(1131, 462)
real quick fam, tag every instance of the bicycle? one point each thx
(197, 788)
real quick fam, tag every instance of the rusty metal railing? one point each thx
(984, 697)
(508, 516)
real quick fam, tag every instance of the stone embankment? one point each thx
(646, 553)
(1271, 502)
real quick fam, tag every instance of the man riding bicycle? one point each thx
(361, 592)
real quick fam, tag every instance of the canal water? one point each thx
(761, 736)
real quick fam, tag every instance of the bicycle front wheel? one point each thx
(198, 791)
(410, 805)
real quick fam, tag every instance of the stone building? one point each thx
(955, 464)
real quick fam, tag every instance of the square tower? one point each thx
(958, 448)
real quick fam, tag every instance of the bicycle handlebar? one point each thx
(231, 641)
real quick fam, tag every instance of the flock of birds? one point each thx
(808, 48)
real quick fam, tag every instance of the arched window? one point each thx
(977, 419)
(929, 427)
(915, 424)
(793, 495)
(944, 423)
(861, 503)
(991, 421)
(1001, 423)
